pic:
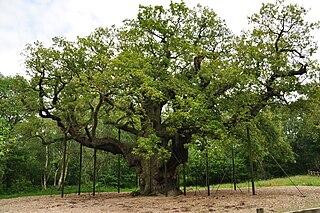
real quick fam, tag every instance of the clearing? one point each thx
(272, 199)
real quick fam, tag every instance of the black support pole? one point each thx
(94, 172)
(233, 169)
(118, 167)
(150, 177)
(64, 164)
(178, 178)
(250, 160)
(207, 173)
(80, 169)
(165, 178)
(184, 178)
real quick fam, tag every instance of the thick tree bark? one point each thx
(152, 171)
(152, 177)
(152, 174)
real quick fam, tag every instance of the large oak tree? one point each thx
(166, 76)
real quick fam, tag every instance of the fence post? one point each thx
(261, 210)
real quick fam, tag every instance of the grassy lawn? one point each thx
(300, 180)
(67, 190)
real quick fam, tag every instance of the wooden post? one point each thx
(118, 170)
(260, 210)
(64, 164)
(94, 171)
(251, 161)
(80, 169)
(234, 170)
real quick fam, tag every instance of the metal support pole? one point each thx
(184, 178)
(251, 161)
(178, 178)
(150, 177)
(64, 164)
(80, 169)
(94, 171)
(234, 170)
(165, 178)
(207, 173)
(118, 170)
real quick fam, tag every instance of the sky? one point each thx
(26, 21)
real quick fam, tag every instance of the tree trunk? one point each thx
(152, 177)
(45, 177)
(63, 171)
(61, 174)
(9, 177)
(151, 171)
(55, 177)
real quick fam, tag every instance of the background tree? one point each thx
(274, 67)
(302, 128)
(12, 111)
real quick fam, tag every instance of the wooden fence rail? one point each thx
(314, 173)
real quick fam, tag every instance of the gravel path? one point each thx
(272, 199)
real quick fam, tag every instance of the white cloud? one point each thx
(25, 21)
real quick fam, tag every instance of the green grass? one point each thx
(299, 180)
(68, 190)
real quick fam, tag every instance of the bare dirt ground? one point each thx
(272, 199)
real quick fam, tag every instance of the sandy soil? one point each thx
(272, 199)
